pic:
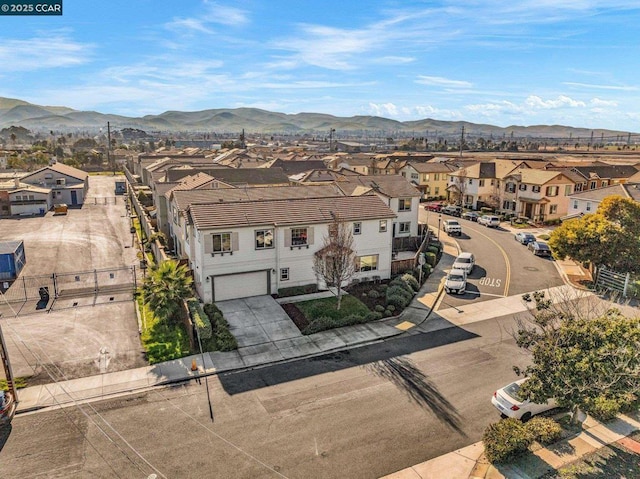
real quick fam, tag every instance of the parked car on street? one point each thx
(524, 238)
(465, 262)
(452, 210)
(540, 248)
(470, 215)
(452, 227)
(508, 401)
(434, 207)
(490, 221)
(456, 282)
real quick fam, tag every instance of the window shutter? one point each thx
(287, 237)
(208, 244)
(234, 241)
(309, 236)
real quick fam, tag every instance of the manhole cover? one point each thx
(531, 268)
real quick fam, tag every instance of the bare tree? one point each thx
(335, 262)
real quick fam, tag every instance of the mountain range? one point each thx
(15, 112)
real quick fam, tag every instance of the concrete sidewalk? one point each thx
(469, 462)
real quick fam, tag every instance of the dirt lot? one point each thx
(83, 335)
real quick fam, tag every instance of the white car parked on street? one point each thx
(489, 221)
(509, 402)
(465, 262)
(456, 282)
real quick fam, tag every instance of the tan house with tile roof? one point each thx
(430, 178)
(586, 202)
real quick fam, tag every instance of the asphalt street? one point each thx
(361, 413)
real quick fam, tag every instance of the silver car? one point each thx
(489, 221)
(456, 282)
(465, 262)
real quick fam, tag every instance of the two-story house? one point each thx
(249, 248)
(540, 195)
(586, 202)
(431, 179)
(67, 184)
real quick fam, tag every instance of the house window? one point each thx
(60, 181)
(436, 176)
(414, 176)
(535, 189)
(357, 228)
(522, 187)
(605, 183)
(553, 209)
(575, 204)
(592, 184)
(425, 177)
(451, 179)
(284, 274)
(493, 182)
(404, 204)
(221, 242)
(298, 236)
(264, 239)
(18, 198)
(404, 227)
(567, 190)
(552, 191)
(382, 226)
(578, 187)
(368, 263)
(470, 181)
(48, 176)
(437, 190)
(588, 206)
(480, 183)
(510, 187)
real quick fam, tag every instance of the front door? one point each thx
(74, 197)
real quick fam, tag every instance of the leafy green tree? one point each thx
(588, 361)
(610, 237)
(166, 287)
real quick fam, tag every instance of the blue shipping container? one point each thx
(12, 259)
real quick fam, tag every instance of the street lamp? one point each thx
(439, 219)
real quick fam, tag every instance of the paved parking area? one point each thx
(69, 334)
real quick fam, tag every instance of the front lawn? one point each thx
(321, 314)
(162, 340)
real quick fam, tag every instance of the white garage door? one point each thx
(240, 285)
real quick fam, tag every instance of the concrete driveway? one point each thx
(263, 330)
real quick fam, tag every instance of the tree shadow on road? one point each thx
(408, 378)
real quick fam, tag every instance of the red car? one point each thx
(434, 207)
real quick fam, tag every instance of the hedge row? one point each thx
(509, 438)
(222, 339)
(199, 318)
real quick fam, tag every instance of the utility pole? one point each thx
(461, 140)
(331, 131)
(109, 149)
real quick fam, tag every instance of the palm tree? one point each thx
(166, 287)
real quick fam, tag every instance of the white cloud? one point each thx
(601, 87)
(384, 109)
(599, 102)
(442, 82)
(535, 102)
(41, 53)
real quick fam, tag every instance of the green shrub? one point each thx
(297, 290)
(373, 294)
(506, 440)
(430, 259)
(400, 291)
(433, 249)
(391, 307)
(426, 269)
(399, 302)
(604, 409)
(544, 430)
(379, 308)
(388, 312)
(383, 288)
(373, 316)
(222, 339)
(411, 281)
(199, 318)
(225, 341)
(325, 322)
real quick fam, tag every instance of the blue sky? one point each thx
(569, 62)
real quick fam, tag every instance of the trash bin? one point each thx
(44, 293)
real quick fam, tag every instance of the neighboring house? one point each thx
(475, 186)
(67, 184)
(396, 191)
(587, 202)
(540, 195)
(249, 248)
(600, 175)
(431, 179)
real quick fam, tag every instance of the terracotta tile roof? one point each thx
(422, 167)
(626, 190)
(64, 170)
(392, 186)
(300, 211)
